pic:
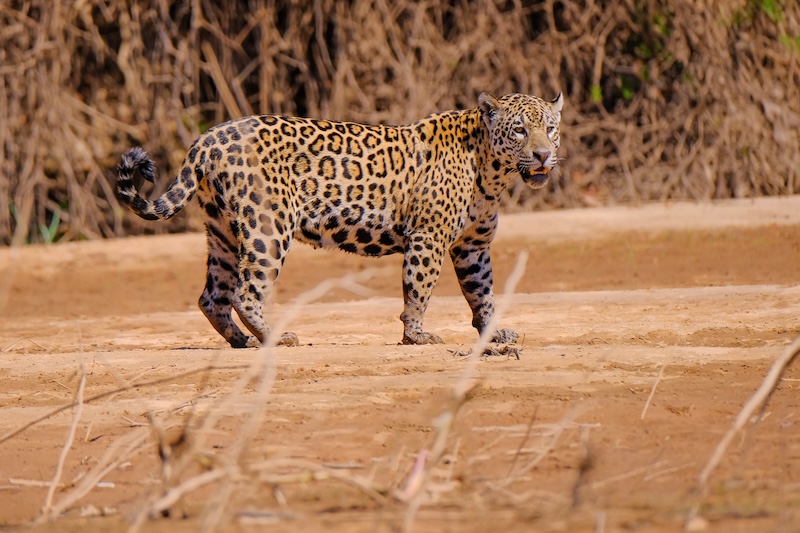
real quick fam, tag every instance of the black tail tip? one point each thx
(137, 158)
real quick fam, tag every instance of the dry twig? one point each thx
(48, 503)
(13, 433)
(652, 392)
(758, 400)
(419, 478)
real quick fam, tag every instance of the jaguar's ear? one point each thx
(557, 103)
(490, 108)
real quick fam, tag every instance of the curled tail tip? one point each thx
(131, 161)
(137, 158)
(172, 201)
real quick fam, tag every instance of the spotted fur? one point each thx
(424, 190)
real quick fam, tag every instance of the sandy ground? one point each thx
(556, 440)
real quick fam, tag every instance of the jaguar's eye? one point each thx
(551, 130)
(519, 129)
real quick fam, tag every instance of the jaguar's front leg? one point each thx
(421, 268)
(474, 271)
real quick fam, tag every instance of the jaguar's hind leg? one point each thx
(260, 260)
(216, 302)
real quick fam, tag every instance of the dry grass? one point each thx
(666, 98)
(189, 464)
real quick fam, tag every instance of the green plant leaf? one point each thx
(597, 94)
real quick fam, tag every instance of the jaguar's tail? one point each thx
(173, 200)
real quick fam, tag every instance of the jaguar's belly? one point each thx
(354, 229)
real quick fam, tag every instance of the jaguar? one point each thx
(425, 190)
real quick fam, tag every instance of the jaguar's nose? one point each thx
(542, 155)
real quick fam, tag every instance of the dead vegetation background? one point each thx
(689, 99)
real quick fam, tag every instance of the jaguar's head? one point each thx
(523, 133)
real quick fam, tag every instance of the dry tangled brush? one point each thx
(665, 98)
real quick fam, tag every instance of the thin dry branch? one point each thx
(48, 502)
(226, 470)
(522, 442)
(419, 478)
(309, 471)
(209, 368)
(117, 453)
(264, 369)
(652, 392)
(757, 401)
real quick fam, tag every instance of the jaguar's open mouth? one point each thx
(535, 179)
